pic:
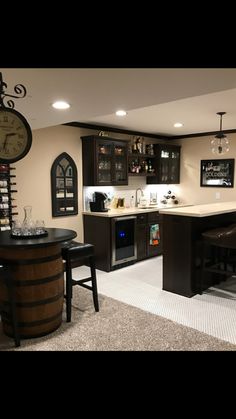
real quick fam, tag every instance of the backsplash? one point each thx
(129, 191)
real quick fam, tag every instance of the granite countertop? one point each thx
(119, 212)
(204, 210)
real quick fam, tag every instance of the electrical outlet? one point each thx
(217, 195)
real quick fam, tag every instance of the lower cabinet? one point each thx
(114, 238)
(149, 235)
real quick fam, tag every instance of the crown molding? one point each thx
(145, 134)
(118, 130)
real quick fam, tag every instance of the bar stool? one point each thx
(222, 259)
(72, 251)
(8, 309)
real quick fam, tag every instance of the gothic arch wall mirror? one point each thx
(64, 186)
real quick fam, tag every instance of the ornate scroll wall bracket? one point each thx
(19, 90)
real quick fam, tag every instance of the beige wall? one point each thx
(33, 175)
(192, 151)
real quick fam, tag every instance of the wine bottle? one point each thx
(4, 228)
(4, 198)
(3, 183)
(4, 221)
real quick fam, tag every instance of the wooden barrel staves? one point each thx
(39, 289)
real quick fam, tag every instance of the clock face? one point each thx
(15, 136)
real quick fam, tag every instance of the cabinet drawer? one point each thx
(153, 216)
(141, 218)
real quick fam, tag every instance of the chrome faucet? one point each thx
(136, 196)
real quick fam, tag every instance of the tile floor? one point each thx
(140, 285)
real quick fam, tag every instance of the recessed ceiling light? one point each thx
(178, 125)
(61, 105)
(121, 113)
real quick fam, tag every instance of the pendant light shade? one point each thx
(220, 144)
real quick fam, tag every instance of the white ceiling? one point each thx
(154, 98)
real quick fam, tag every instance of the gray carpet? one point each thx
(117, 327)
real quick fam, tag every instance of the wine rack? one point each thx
(7, 188)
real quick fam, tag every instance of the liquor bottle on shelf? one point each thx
(149, 166)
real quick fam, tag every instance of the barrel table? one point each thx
(37, 268)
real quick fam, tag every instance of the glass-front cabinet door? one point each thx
(120, 166)
(104, 152)
(174, 171)
(105, 161)
(169, 164)
(164, 165)
(111, 162)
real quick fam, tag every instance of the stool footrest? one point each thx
(86, 286)
(81, 281)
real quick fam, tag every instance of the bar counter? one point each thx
(38, 275)
(182, 228)
(204, 210)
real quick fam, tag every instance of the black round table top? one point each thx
(55, 235)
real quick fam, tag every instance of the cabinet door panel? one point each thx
(141, 241)
(166, 164)
(154, 239)
(120, 164)
(104, 161)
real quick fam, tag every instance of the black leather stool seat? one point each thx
(75, 250)
(8, 309)
(221, 260)
(222, 236)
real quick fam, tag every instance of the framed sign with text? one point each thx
(217, 173)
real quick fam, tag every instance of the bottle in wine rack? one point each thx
(7, 209)
(3, 183)
(4, 221)
(4, 228)
(4, 168)
(4, 206)
(4, 198)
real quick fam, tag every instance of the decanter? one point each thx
(28, 227)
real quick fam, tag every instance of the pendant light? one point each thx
(220, 144)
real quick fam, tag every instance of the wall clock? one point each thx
(15, 136)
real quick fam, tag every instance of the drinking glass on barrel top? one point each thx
(40, 226)
(16, 228)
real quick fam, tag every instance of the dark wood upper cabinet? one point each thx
(64, 186)
(166, 164)
(105, 161)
